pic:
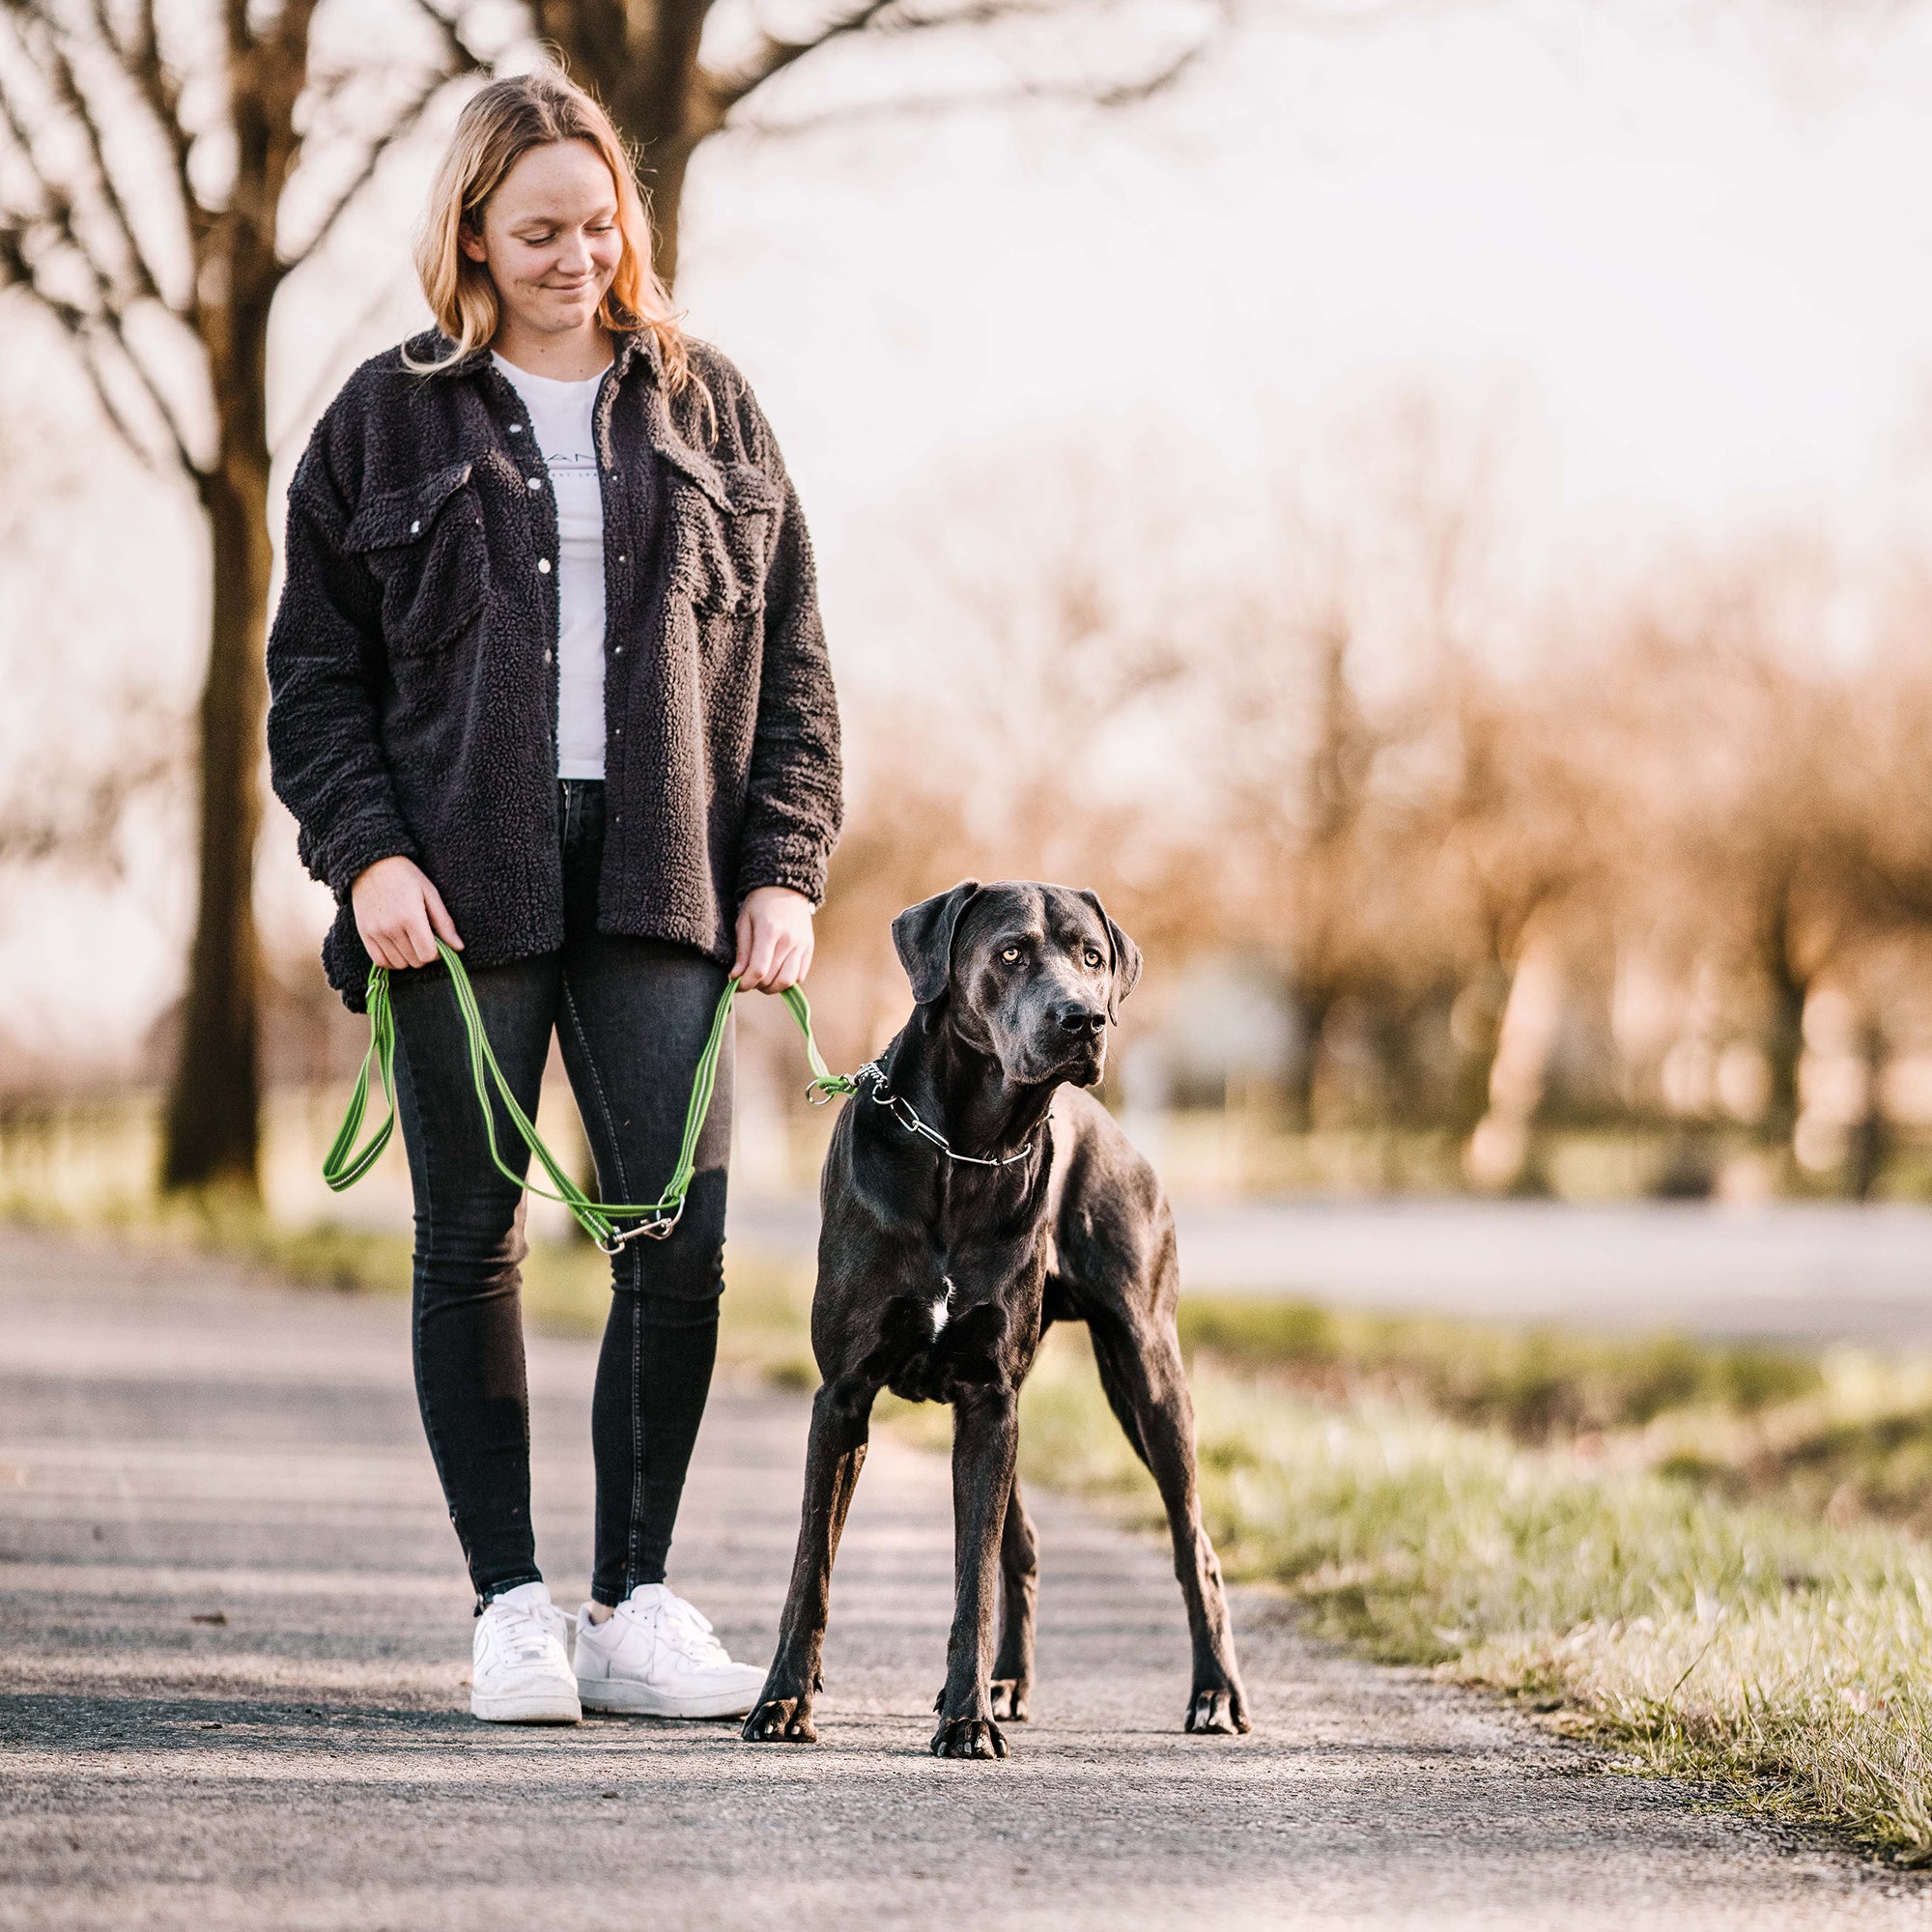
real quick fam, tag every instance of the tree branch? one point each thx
(400, 130)
(141, 58)
(56, 66)
(774, 56)
(886, 17)
(26, 236)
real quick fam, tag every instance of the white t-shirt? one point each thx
(560, 414)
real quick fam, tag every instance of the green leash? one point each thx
(343, 1165)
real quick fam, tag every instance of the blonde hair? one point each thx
(498, 126)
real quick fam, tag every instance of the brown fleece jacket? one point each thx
(412, 660)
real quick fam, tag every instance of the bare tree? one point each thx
(146, 156)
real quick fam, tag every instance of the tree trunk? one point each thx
(214, 1107)
(1785, 1033)
(641, 62)
(665, 180)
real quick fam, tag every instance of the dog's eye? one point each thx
(1011, 955)
(1093, 958)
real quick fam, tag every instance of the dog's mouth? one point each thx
(1079, 1064)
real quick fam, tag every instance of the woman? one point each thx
(549, 684)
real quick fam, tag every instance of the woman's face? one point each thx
(549, 238)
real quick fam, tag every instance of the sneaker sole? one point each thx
(539, 1708)
(639, 1701)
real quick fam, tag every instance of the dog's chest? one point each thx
(961, 1329)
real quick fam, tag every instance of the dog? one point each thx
(973, 1195)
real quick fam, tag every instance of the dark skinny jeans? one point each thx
(632, 1016)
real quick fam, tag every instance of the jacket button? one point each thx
(543, 565)
(515, 427)
(619, 651)
(536, 482)
(545, 656)
(616, 731)
(622, 558)
(415, 528)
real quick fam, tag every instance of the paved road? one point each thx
(233, 1638)
(1818, 1271)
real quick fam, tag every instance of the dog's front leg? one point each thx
(1019, 1591)
(985, 1436)
(840, 1427)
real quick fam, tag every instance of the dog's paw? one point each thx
(969, 1737)
(1010, 1698)
(1219, 1711)
(781, 1720)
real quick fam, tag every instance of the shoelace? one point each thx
(688, 1630)
(524, 1634)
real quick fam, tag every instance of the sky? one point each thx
(1662, 274)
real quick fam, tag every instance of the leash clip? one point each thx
(657, 1228)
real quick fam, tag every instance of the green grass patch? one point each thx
(1532, 1382)
(1787, 1658)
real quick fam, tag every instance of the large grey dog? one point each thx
(973, 1196)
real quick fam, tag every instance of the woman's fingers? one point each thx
(764, 945)
(788, 967)
(774, 935)
(439, 917)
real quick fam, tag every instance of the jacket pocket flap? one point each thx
(749, 488)
(398, 517)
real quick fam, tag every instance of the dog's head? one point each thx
(1027, 974)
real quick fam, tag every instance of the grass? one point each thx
(1532, 1382)
(1786, 1658)
(1703, 1558)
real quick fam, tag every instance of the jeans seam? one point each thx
(637, 1267)
(427, 1255)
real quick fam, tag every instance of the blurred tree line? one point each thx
(1664, 865)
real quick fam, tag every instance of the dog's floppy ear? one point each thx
(923, 937)
(1126, 961)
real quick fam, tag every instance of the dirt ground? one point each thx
(234, 1635)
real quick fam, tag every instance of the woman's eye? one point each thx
(1093, 957)
(1011, 955)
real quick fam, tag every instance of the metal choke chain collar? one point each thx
(902, 1111)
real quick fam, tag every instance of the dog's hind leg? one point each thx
(986, 1433)
(1147, 1385)
(1020, 1588)
(840, 1427)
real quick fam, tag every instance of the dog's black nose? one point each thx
(1083, 1020)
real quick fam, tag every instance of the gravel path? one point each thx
(234, 1635)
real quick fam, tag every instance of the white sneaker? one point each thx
(655, 1657)
(521, 1672)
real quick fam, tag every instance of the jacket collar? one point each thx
(631, 346)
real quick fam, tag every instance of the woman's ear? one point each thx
(469, 238)
(1125, 957)
(922, 935)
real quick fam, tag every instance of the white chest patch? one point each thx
(942, 1309)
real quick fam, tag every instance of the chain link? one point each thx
(901, 1110)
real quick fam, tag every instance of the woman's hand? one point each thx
(400, 915)
(774, 940)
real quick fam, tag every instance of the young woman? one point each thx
(549, 684)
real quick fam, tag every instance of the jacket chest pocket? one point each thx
(717, 556)
(424, 545)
